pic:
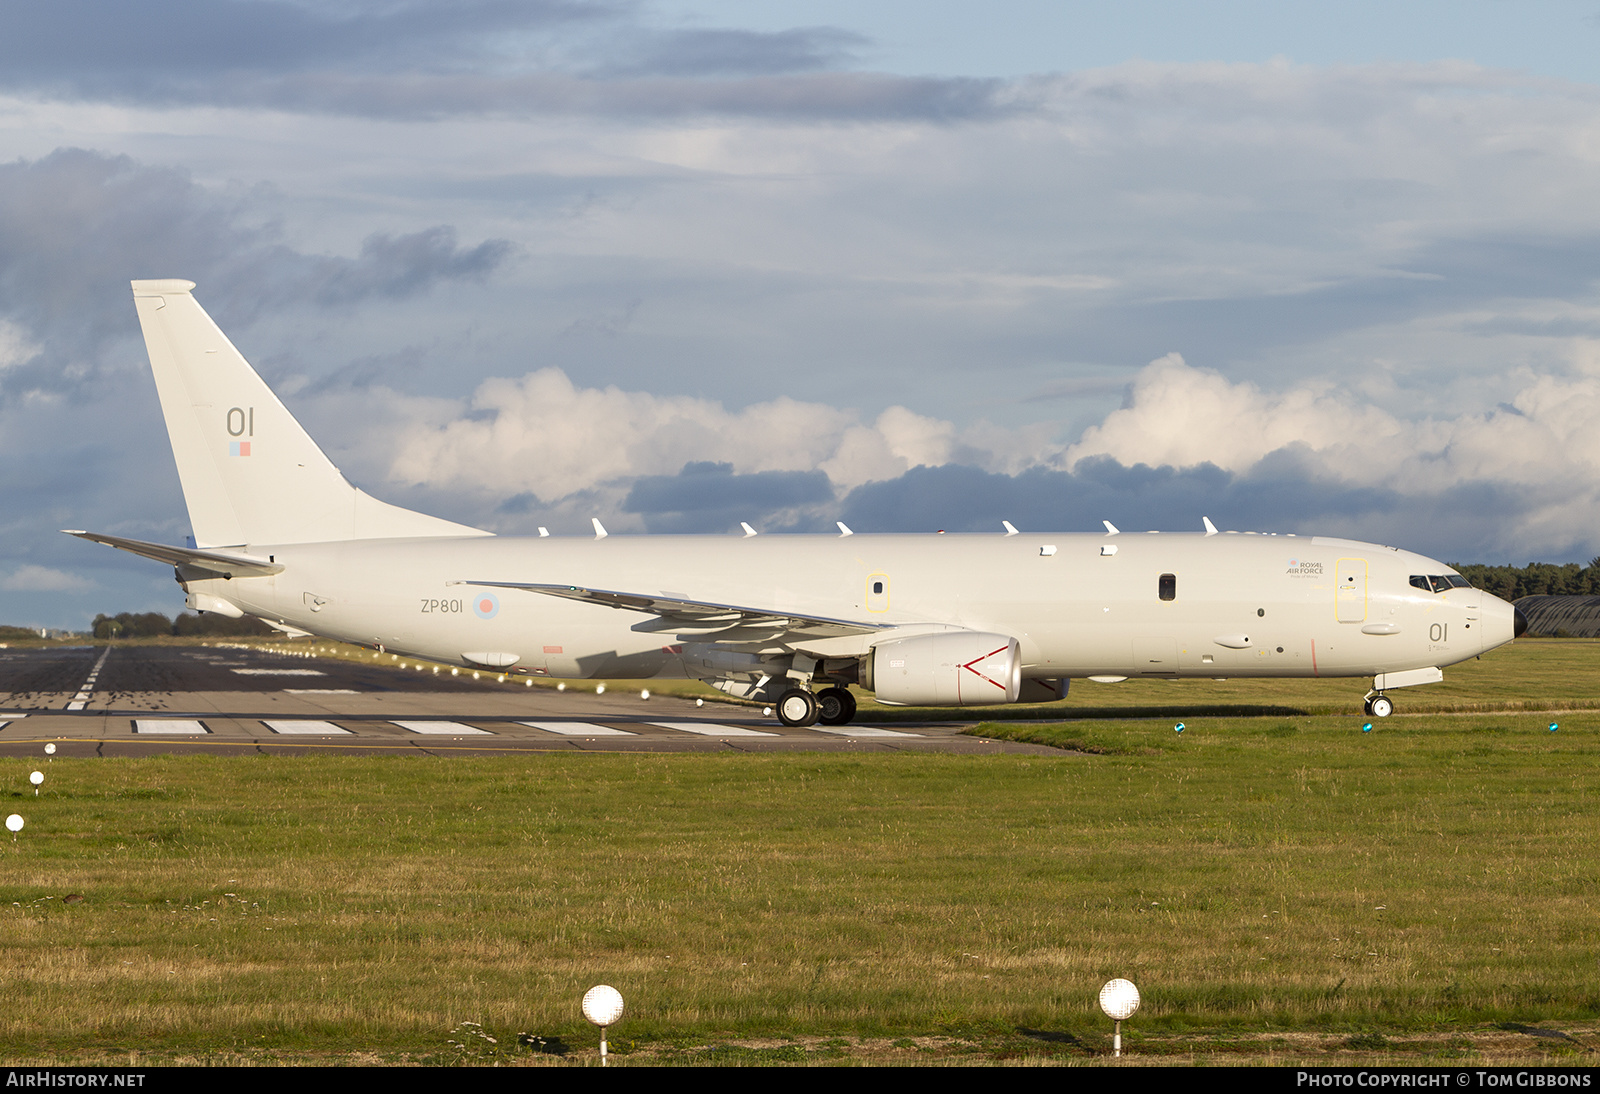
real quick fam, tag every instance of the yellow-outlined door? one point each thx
(878, 592)
(1350, 590)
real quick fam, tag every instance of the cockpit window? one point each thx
(1438, 583)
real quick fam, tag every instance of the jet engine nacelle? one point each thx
(951, 668)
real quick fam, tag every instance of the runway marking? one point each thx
(279, 672)
(861, 731)
(87, 688)
(320, 691)
(309, 727)
(705, 730)
(442, 729)
(579, 729)
(187, 726)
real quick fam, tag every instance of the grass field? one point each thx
(1282, 888)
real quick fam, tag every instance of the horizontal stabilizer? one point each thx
(703, 618)
(218, 562)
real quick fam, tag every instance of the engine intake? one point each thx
(952, 668)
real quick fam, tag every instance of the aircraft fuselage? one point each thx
(1165, 605)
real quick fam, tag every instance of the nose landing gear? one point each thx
(1378, 705)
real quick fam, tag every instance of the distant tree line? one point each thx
(154, 625)
(1535, 579)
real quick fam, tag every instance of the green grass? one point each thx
(1280, 888)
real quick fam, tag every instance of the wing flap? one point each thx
(700, 618)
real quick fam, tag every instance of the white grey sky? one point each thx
(681, 264)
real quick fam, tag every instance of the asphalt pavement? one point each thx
(116, 700)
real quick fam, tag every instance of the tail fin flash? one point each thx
(250, 473)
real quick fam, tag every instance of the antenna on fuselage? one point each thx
(1111, 529)
(1211, 529)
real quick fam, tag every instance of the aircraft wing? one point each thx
(218, 562)
(702, 619)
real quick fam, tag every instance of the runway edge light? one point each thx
(602, 1005)
(1119, 999)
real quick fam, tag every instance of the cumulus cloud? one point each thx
(544, 435)
(1315, 457)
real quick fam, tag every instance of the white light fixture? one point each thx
(36, 779)
(1119, 999)
(602, 1005)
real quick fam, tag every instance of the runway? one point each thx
(131, 700)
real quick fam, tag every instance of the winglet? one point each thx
(544, 533)
(844, 529)
(1111, 529)
(1211, 529)
(1010, 528)
(748, 531)
(599, 529)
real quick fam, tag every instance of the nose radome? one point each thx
(1501, 622)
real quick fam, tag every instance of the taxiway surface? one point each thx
(137, 700)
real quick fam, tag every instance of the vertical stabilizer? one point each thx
(250, 473)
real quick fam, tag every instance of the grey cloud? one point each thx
(102, 46)
(840, 96)
(741, 52)
(710, 497)
(437, 58)
(76, 226)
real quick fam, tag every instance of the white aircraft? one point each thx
(921, 620)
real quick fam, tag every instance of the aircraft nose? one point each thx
(1501, 622)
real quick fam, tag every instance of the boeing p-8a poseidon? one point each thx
(790, 620)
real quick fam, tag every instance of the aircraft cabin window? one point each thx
(877, 587)
(1169, 586)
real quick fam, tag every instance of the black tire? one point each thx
(837, 706)
(1382, 706)
(797, 707)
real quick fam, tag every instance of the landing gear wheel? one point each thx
(836, 705)
(797, 707)
(1382, 706)
(1366, 706)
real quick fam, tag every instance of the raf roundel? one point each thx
(485, 605)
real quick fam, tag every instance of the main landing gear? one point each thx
(797, 707)
(1378, 705)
